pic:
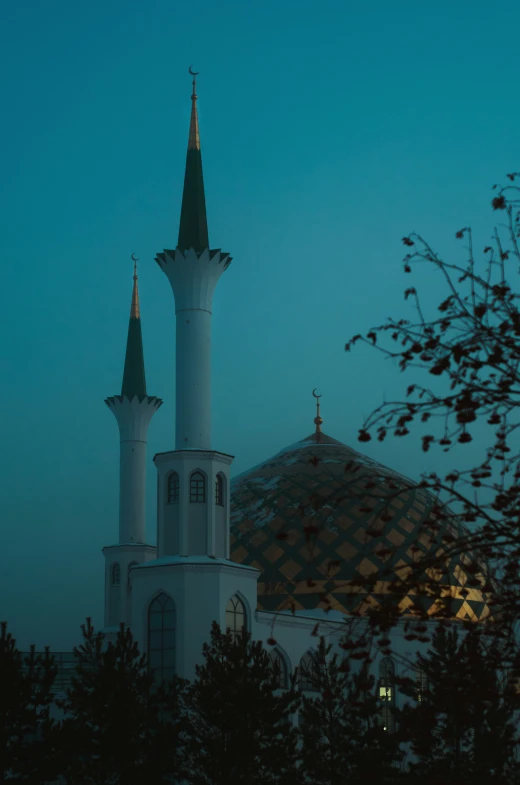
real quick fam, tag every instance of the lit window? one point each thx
(387, 693)
(219, 491)
(513, 680)
(116, 575)
(421, 683)
(197, 488)
(161, 638)
(235, 617)
(173, 488)
(308, 677)
(279, 667)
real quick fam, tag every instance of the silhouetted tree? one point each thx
(471, 351)
(26, 728)
(117, 728)
(239, 729)
(461, 724)
(343, 739)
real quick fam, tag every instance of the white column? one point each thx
(193, 277)
(132, 495)
(193, 380)
(133, 417)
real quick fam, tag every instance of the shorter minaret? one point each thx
(133, 410)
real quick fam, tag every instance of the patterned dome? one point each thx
(350, 534)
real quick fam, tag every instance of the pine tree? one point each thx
(462, 727)
(115, 727)
(343, 741)
(26, 728)
(239, 730)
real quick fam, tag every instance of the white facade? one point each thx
(200, 587)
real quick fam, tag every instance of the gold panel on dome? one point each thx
(395, 537)
(290, 568)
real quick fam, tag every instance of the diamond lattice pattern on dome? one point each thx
(267, 499)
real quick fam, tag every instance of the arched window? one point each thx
(219, 491)
(387, 693)
(279, 667)
(132, 563)
(173, 488)
(197, 488)
(235, 617)
(307, 673)
(116, 574)
(161, 638)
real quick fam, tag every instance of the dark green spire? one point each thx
(193, 229)
(134, 381)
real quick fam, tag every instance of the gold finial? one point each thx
(194, 137)
(317, 420)
(135, 312)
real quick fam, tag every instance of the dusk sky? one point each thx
(328, 130)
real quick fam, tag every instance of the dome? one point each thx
(350, 541)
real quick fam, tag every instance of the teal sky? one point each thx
(329, 130)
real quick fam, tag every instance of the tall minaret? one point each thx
(133, 410)
(193, 271)
(192, 572)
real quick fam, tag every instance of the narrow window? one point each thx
(421, 683)
(219, 491)
(279, 667)
(308, 673)
(387, 693)
(173, 488)
(116, 575)
(197, 488)
(235, 617)
(161, 638)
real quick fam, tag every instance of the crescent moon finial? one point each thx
(317, 420)
(193, 73)
(135, 259)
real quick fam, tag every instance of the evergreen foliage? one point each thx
(233, 725)
(117, 730)
(26, 728)
(462, 723)
(239, 729)
(343, 740)
(463, 362)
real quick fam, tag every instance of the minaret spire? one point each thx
(193, 227)
(194, 136)
(134, 308)
(134, 381)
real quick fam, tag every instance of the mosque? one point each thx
(236, 551)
